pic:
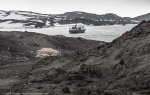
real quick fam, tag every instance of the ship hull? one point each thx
(76, 31)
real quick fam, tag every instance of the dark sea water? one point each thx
(100, 33)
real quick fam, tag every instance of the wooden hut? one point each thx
(47, 52)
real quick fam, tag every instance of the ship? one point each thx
(77, 29)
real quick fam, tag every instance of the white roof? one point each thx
(47, 49)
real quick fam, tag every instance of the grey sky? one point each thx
(124, 8)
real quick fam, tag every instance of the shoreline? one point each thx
(98, 33)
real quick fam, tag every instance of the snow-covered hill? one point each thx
(28, 19)
(24, 19)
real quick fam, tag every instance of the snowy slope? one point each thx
(14, 16)
(21, 19)
(8, 24)
(2, 14)
(31, 13)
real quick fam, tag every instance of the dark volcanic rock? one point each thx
(143, 17)
(66, 90)
(34, 41)
(92, 71)
(117, 68)
(17, 55)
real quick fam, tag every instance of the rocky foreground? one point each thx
(117, 68)
(18, 51)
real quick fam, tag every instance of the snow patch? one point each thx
(47, 23)
(2, 14)
(15, 16)
(8, 24)
(37, 20)
(95, 20)
(66, 25)
(78, 12)
(57, 19)
(27, 13)
(135, 21)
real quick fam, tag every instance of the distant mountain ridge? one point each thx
(77, 14)
(143, 17)
(85, 18)
(28, 19)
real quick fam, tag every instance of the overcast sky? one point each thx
(124, 8)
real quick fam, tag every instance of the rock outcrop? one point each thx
(117, 68)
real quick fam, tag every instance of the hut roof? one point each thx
(47, 49)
